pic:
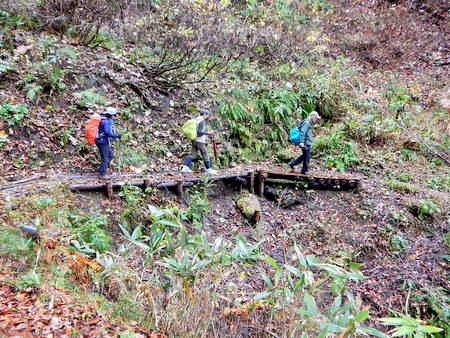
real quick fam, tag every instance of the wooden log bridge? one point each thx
(254, 180)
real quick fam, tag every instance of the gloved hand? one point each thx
(302, 145)
(211, 132)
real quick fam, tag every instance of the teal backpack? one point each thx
(295, 134)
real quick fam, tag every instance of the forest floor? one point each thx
(326, 224)
(395, 225)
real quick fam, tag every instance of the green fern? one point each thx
(89, 98)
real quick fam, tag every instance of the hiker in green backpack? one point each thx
(199, 145)
(306, 138)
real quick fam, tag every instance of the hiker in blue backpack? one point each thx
(306, 138)
(199, 145)
(105, 132)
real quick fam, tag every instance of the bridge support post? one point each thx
(251, 182)
(109, 189)
(146, 183)
(180, 189)
(262, 178)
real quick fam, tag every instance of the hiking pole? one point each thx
(119, 158)
(119, 162)
(214, 147)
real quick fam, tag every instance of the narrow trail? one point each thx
(253, 174)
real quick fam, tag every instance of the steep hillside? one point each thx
(150, 263)
(52, 85)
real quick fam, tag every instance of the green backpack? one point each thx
(190, 129)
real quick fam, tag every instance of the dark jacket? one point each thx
(105, 131)
(306, 136)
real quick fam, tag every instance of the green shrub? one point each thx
(439, 183)
(30, 279)
(88, 230)
(6, 66)
(296, 283)
(447, 239)
(399, 217)
(407, 326)
(12, 21)
(401, 186)
(134, 211)
(13, 113)
(132, 195)
(260, 119)
(15, 245)
(261, 114)
(404, 177)
(43, 202)
(134, 157)
(436, 310)
(198, 204)
(427, 208)
(46, 77)
(90, 98)
(398, 243)
(95, 237)
(398, 96)
(126, 307)
(8, 23)
(335, 150)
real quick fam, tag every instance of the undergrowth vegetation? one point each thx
(189, 271)
(259, 120)
(262, 67)
(13, 113)
(336, 151)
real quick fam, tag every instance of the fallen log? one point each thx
(20, 183)
(250, 207)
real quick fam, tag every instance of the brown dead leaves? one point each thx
(244, 310)
(26, 314)
(78, 261)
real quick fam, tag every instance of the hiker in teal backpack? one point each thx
(199, 144)
(306, 138)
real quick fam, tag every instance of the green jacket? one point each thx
(306, 132)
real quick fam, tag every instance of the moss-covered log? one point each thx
(250, 207)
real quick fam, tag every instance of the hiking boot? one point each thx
(186, 170)
(210, 171)
(291, 165)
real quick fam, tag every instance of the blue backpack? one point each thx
(295, 134)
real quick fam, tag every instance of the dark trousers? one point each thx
(198, 147)
(305, 157)
(106, 155)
